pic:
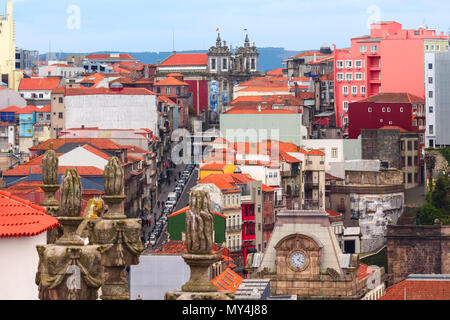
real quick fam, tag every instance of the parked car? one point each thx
(179, 190)
(172, 197)
(152, 240)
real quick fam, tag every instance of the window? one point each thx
(354, 90)
(374, 48)
(345, 120)
(213, 64)
(41, 95)
(409, 161)
(420, 122)
(168, 90)
(358, 64)
(178, 91)
(384, 109)
(401, 109)
(345, 107)
(224, 64)
(348, 64)
(388, 109)
(430, 128)
(334, 152)
(426, 47)
(225, 85)
(369, 110)
(253, 62)
(416, 145)
(430, 66)
(432, 47)
(363, 49)
(409, 145)
(363, 90)
(430, 79)
(339, 64)
(349, 76)
(409, 177)
(345, 90)
(358, 76)
(340, 76)
(415, 122)
(430, 94)
(430, 109)
(60, 115)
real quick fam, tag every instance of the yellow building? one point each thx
(8, 70)
(216, 168)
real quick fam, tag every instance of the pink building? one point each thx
(390, 59)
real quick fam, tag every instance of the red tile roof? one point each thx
(227, 182)
(389, 97)
(186, 59)
(227, 281)
(27, 169)
(331, 177)
(107, 56)
(419, 290)
(275, 72)
(39, 83)
(96, 152)
(171, 81)
(11, 109)
(175, 75)
(100, 143)
(393, 128)
(265, 89)
(108, 91)
(364, 270)
(332, 213)
(266, 188)
(21, 218)
(134, 149)
(315, 153)
(214, 166)
(187, 208)
(256, 111)
(47, 108)
(309, 53)
(27, 110)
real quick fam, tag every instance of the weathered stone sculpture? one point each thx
(199, 243)
(199, 224)
(69, 270)
(50, 187)
(119, 236)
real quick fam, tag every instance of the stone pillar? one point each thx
(69, 270)
(199, 243)
(119, 236)
(50, 187)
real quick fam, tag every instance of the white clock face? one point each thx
(298, 260)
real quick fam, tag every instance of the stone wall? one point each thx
(417, 250)
(382, 177)
(383, 145)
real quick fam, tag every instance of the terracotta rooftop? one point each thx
(227, 281)
(265, 89)
(108, 91)
(227, 181)
(186, 59)
(97, 152)
(171, 81)
(275, 72)
(26, 169)
(107, 56)
(100, 143)
(21, 218)
(39, 83)
(309, 53)
(214, 166)
(420, 287)
(394, 98)
(11, 109)
(256, 111)
(187, 208)
(27, 110)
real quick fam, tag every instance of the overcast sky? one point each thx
(147, 25)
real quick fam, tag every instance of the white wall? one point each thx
(82, 157)
(112, 112)
(327, 146)
(19, 261)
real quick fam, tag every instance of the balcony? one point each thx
(311, 205)
(236, 227)
(235, 249)
(309, 184)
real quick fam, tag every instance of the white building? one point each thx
(22, 227)
(106, 108)
(60, 70)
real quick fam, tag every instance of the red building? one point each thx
(194, 67)
(248, 228)
(387, 109)
(390, 59)
(177, 90)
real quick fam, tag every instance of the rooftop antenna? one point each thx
(173, 40)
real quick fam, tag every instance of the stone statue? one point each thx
(70, 198)
(199, 224)
(50, 167)
(114, 177)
